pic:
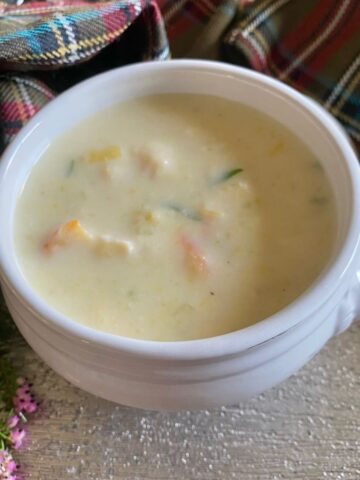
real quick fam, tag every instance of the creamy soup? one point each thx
(174, 217)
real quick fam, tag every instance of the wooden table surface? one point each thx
(307, 428)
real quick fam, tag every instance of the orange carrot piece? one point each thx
(195, 260)
(147, 163)
(73, 231)
(105, 172)
(63, 235)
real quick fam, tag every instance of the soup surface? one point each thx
(174, 217)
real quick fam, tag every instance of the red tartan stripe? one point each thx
(10, 109)
(112, 20)
(181, 25)
(207, 7)
(191, 13)
(349, 26)
(19, 112)
(188, 16)
(315, 47)
(156, 12)
(303, 32)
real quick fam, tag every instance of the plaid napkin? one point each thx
(312, 45)
(62, 42)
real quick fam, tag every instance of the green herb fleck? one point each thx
(133, 295)
(185, 211)
(227, 175)
(70, 169)
(317, 165)
(319, 200)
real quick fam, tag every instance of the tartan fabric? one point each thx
(20, 99)
(49, 36)
(312, 46)
(195, 26)
(43, 35)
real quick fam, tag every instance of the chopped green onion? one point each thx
(319, 200)
(185, 211)
(227, 175)
(317, 165)
(70, 169)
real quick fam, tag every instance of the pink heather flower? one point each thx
(23, 391)
(13, 421)
(31, 407)
(11, 466)
(7, 466)
(17, 437)
(24, 401)
(25, 404)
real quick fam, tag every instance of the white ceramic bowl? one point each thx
(199, 373)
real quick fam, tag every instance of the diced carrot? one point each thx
(73, 231)
(147, 163)
(105, 172)
(155, 160)
(195, 259)
(63, 235)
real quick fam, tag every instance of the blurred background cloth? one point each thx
(47, 46)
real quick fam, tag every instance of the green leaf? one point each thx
(227, 175)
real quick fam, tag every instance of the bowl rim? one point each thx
(229, 343)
